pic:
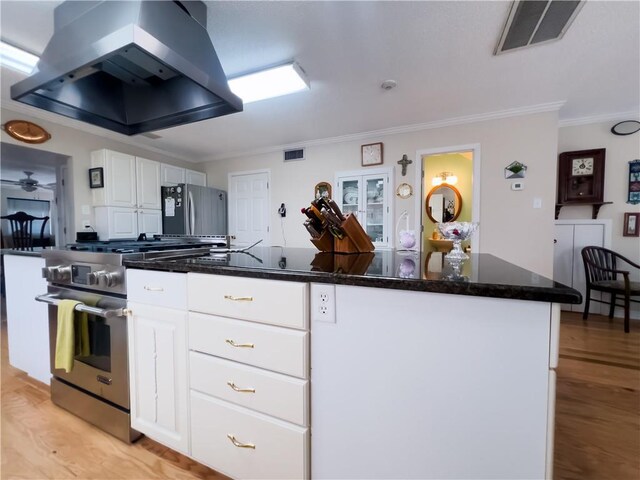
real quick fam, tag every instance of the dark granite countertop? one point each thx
(482, 275)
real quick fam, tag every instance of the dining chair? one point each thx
(22, 229)
(602, 271)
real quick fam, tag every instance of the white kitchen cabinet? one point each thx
(172, 175)
(196, 178)
(570, 237)
(131, 195)
(158, 359)
(368, 196)
(249, 376)
(426, 385)
(27, 320)
(117, 223)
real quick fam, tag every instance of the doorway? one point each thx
(449, 189)
(34, 177)
(249, 201)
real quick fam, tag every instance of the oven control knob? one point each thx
(57, 274)
(111, 279)
(93, 278)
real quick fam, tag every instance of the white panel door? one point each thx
(120, 179)
(562, 257)
(249, 207)
(585, 235)
(148, 183)
(123, 223)
(150, 222)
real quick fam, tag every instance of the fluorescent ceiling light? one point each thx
(269, 83)
(16, 58)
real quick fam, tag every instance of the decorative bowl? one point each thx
(457, 232)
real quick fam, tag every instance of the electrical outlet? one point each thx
(86, 224)
(323, 303)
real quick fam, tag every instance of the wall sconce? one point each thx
(444, 177)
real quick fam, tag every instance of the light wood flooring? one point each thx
(597, 419)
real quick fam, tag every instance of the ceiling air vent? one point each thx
(535, 21)
(292, 155)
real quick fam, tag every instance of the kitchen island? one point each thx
(289, 363)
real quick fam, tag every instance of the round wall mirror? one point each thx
(443, 204)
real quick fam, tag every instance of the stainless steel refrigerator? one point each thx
(194, 210)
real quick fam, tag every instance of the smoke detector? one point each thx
(388, 84)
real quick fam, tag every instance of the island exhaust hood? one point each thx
(130, 66)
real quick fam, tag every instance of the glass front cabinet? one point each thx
(367, 197)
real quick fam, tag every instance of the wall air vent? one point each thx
(295, 154)
(536, 21)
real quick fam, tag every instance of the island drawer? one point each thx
(163, 289)
(280, 349)
(281, 449)
(265, 301)
(278, 395)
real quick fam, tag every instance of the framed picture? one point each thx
(371, 154)
(631, 224)
(96, 177)
(323, 189)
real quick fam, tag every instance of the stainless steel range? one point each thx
(97, 387)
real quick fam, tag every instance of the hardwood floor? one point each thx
(597, 419)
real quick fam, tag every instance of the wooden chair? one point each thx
(601, 268)
(22, 229)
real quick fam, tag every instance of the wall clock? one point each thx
(371, 154)
(581, 176)
(26, 131)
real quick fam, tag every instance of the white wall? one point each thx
(509, 226)
(620, 151)
(78, 146)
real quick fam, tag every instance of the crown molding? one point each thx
(610, 117)
(20, 108)
(482, 117)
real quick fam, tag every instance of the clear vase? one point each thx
(456, 253)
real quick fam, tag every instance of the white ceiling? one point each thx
(440, 53)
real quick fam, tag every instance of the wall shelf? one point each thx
(595, 207)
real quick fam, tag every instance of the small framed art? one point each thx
(96, 177)
(631, 225)
(371, 154)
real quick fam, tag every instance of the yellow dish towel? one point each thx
(65, 339)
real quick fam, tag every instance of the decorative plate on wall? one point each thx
(26, 132)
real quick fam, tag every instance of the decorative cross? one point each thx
(404, 162)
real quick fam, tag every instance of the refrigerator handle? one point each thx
(192, 215)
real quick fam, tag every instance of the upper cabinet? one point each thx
(367, 196)
(196, 178)
(129, 181)
(172, 175)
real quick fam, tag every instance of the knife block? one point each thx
(355, 238)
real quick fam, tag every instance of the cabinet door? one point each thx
(350, 195)
(171, 175)
(120, 179)
(563, 257)
(148, 184)
(158, 374)
(196, 178)
(113, 223)
(150, 222)
(376, 209)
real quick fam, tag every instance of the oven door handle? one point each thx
(81, 307)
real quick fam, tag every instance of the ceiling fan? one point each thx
(29, 184)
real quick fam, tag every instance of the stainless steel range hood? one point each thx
(130, 66)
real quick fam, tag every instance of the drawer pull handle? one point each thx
(240, 444)
(154, 289)
(242, 390)
(238, 299)
(239, 345)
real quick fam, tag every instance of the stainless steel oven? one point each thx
(97, 387)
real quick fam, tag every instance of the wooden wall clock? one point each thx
(581, 176)
(581, 179)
